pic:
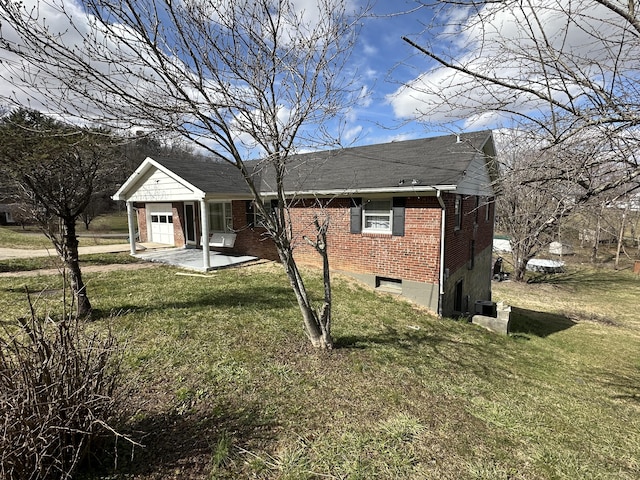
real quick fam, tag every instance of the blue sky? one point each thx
(383, 60)
(385, 63)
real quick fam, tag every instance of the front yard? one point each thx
(221, 383)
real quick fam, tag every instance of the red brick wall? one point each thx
(249, 240)
(142, 221)
(413, 256)
(474, 227)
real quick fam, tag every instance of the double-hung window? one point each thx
(377, 216)
(220, 219)
(253, 217)
(384, 216)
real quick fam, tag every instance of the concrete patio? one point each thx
(191, 258)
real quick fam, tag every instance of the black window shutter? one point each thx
(356, 215)
(398, 216)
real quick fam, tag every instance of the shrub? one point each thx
(56, 395)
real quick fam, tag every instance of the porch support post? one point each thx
(131, 223)
(204, 219)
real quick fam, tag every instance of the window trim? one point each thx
(377, 213)
(487, 209)
(457, 212)
(253, 217)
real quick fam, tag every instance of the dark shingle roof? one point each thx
(434, 161)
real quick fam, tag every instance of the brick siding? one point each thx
(457, 242)
(414, 256)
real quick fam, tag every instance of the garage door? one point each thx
(161, 223)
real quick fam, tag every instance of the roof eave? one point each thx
(148, 163)
(410, 190)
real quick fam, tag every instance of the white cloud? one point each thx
(352, 133)
(500, 46)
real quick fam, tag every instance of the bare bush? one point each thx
(57, 382)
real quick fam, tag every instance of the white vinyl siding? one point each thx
(157, 185)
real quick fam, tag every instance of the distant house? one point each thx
(7, 207)
(413, 217)
(6, 214)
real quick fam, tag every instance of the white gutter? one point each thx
(442, 236)
(411, 189)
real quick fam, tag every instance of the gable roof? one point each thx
(412, 164)
(404, 166)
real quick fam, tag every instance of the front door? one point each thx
(189, 224)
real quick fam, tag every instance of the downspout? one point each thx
(442, 237)
(204, 223)
(131, 227)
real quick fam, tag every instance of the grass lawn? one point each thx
(99, 229)
(221, 383)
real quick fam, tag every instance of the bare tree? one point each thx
(528, 208)
(53, 169)
(239, 79)
(539, 186)
(566, 72)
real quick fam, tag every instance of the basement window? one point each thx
(390, 285)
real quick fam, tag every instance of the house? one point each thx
(6, 214)
(413, 217)
(8, 207)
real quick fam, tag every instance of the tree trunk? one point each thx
(521, 255)
(71, 261)
(596, 239)
(620, 246)
(317, 327)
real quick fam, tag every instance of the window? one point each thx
(392, 285)
(477, 211)
(376, 216)
(254, 219)
(220, 219)
(458, 212)
(487, 209)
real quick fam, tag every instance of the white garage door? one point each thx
(160, 223)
